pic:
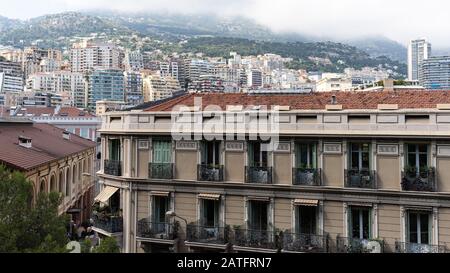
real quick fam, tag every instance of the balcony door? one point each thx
(162, 152)
(257, 155)
(417, 158)
(114, 149)
(419, 227)
(258, 215)
(305, 156)
(360, 156)
(360, 223)
(160, 207)
(209, 213)
(210, 153)
(306, 220)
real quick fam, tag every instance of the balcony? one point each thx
(207, 235)
(108, 223)
(258, 175)
(306, 177)
(160, 170)
(306, 243)
(419, 181)
(401, 247)
(355, 245)
(360, 179)
(154, 230)
(256, 239)
(113, 167)
(210, 173)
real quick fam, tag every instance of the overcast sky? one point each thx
(398, 20)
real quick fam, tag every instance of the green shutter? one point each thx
(162, 152)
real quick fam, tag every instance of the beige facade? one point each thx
(350, 182)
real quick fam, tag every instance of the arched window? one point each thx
(61, 182)
(67, 182)
(42, 186)
(74, 174)
(53, 183)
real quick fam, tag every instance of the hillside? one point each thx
(321, 56)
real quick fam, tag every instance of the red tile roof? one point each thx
(50, 111)
(48, 144)
(317, 100)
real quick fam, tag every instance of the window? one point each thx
(360, 156)
(162, 151)
(258, 215)
(84, 133)
(419, 227)
(114, 149)
(210, 153)
(257, 154)
(360, 223)
(160, 208)
(417, 156)
(306, 220)
(209, 213)
(306, 156)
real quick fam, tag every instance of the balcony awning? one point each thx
(258, 198)
(209, 196)
(160, 193)
(306, 202)
(105, 194)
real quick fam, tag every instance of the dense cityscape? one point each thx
(91, 104)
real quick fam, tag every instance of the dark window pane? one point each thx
(366, 224)
(423, 160)
(355, 223)
(411, 159)
(307, 220)
(412, 221)
(355, 160)
(424, 229)
(423, 148)
(365, 160)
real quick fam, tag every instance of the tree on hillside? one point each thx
(28, 227)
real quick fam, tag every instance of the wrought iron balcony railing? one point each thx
(355, 245)
(157, 230)
(309, 243)
(160, 170)
(306, 177)
(360, 179)
(211, 173)
(113, 167)
(209, 235)
(108, 223)
(402, 247)
(425, 180)
(258, 175)
(256, 239)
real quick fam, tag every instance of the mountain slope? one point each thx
(380, 46)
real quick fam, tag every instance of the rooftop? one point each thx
(411, 99)
(33, 111)
(48, 144)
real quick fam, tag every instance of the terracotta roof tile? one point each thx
(315, 101)
(48, 144)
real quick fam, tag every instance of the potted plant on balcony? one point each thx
(306, 175)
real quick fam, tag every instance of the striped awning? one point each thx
(105, 194)
(258, 198)
(160, 193)
(209, 196)
(306, 202)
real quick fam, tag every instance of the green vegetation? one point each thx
(319, 56)
(25, 227)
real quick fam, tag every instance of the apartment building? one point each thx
(156, 87)
(53, 160)
(86, 56)
(345, 172)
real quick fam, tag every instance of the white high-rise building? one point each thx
(87, 56)
(418, 50)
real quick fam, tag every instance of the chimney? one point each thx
(333, 100)
(66, 135)
(25, 142)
